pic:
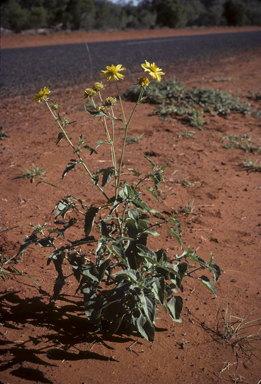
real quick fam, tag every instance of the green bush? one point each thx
(14, 17)
(235, 12)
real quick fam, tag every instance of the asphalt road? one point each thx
(26, 70)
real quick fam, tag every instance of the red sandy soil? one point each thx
(47, 344)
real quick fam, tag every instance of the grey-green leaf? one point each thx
(175, 305)
(89, 219)
(107, 175)
(175, 234)
(129, 274)
(136, 173)
(69, 167)
(145, 328)
(205, 280)
(151, 190)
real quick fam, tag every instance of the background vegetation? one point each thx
(89, 15)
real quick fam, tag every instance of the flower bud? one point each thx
(110, 101)
(89, 92)
(102, 109)
(143, 81)
(97, 87)
(55, 106)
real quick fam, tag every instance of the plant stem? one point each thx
(74, 149)
(112, 146)
(125, 136)
(111, 141)
(123, 114)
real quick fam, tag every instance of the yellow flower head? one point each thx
(89, 92)
(110, 101)
(97, 87)
(113, 73)
(41, 95)
(102, 108)
(143, 81)
(154, 71)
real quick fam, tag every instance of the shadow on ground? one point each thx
(64, 334)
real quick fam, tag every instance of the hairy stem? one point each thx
(75, 150)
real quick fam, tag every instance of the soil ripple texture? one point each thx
(27, 70)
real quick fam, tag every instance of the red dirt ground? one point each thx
(55, 345)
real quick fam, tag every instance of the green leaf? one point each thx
(134, 215)
(91, 271)
(100, 142)
(131, 229)
(102, 268)
(75, 198)
(176, 223)
(92, 150)
(81, 141)
(175, 234)
(145, 328)
(192, 256)
(33, 239)
(95, 179)
(72, 221)
(156, 178)
(107, 175)
(205, 280)
(151, 190)
(159, 289)
(92, 305)
(46, 242)
(102, 245)
(115, 324)
(89, 219)
(157, 213)
(214, 268)
(150, 161)
(151, 232)
(103, 229)
(97, 113)
(162, 256)
(181, 269)
(147, 253)
(112, 309)
(211, 258)
(61, 135)
(59, 232)
(57, 257)
(175, 305)
(136, 173)
(69, 167)
(162, 268)
(85, 240)
(148, 305)
(129, 274)
(62, 208)
(118, 249)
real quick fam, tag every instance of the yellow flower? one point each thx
(97, 87)
(154, 71)
(143, 81)
(112, 72)
(41, 95)
(89, 92)
(102, 108)
(110, 101)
